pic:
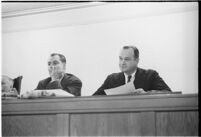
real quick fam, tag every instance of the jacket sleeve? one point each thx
(158, 83)
(74, 87)
(39, 86)
(104, 86)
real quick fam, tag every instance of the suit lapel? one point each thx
(47, 81)
(65, 80)
(121, 79)
(138, 82)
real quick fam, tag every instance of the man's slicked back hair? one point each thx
(135, 50)
(62, 57)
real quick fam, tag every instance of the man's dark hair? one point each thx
(62, 57)
(135, 50)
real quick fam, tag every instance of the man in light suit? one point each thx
(7, 87)
(58, 78)
(143, 80)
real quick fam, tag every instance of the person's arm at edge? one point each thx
(158, 83)
(74, 87)
(39, 86)
(104, 86)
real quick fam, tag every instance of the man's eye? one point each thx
(127, 59)
(55, 63)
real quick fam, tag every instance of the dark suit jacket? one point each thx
(69, 83)
(145, 79)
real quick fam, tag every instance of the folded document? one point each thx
(124, 89)
(129, 88)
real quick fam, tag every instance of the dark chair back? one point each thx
(17, 84)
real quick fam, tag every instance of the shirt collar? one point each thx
(133, 76)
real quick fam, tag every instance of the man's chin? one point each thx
(123, 70)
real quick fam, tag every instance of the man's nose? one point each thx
(123, 61)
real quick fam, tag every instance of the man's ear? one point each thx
(137, 60)
(64, 66)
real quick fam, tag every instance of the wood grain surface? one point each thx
(63, 125)
(151, 115)
(29, 125)
(177, 123)
(106, 124)
(112, 124)
(101, 104)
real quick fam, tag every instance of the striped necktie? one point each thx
(129, 78)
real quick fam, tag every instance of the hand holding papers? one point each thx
(124, 89)
(46, 93)
(129, 88)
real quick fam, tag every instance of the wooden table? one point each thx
(163, 115)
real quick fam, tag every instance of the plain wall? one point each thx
(166, 35)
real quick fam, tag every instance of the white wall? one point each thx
(91, 37)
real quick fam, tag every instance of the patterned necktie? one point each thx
(129, 78)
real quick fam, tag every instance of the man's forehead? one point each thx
(55, 57)
(127, 52)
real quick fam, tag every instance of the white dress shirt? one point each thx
(132, 78)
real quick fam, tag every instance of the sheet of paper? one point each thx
(124, 89)
(60, 93)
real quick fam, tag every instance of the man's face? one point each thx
(55, 66)
(6, 84)
(127, 62)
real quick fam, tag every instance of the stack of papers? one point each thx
(129, 89)
(45, 93)
(124, 89)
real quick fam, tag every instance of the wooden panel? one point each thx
(147, 123)
(62, 124)
(112, 124)
(177, 123)
(29, 125)
(101, 104)
(105, 124)
(102, 116)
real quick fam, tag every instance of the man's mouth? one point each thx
(123, 66)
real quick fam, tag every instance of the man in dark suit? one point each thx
(143, 80)
(58, 78)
